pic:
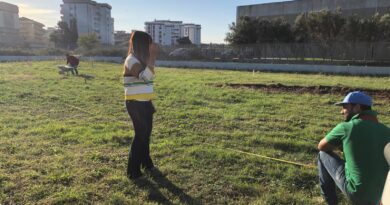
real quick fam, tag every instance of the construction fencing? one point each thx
(342, 53)
(60, 58)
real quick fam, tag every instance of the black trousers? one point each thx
(141, 113)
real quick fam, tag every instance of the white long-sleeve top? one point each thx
(138, 88)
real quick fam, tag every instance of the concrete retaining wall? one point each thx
(351, 70)
(59, 58)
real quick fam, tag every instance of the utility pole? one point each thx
(376, 6)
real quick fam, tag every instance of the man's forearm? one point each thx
(325, 146)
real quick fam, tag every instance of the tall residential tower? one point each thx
(91, 17)
(9, 24)
(167, 32)
(32, 33)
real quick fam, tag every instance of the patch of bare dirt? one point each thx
(321, 89)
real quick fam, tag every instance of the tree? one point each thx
(242, 33)
(300, 29)
(73, 34)
(65, 36)
(250, 31)
(325, 26)
(59, 36)
(184, 41)
(281, 31)
(351, 29)
(264, 31)
(370, 31)
(371, 28)
(88, 42)
(384, 24)
(55, 38)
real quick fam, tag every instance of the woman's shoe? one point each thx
(153, 171)
(134, 175)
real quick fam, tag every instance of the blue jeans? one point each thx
(331, 174)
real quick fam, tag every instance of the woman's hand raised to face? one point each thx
(153, 50)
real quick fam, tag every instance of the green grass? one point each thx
(64, 141)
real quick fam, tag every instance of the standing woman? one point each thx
(138, 75)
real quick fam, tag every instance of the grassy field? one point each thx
(65, 141)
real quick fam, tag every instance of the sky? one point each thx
(214, 16)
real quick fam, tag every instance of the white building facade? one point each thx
(192, 31)
(32, 33)
(122, 38)
(165, 32)
(91, 17)
(46, 37)
(9, 24)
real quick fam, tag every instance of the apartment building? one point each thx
(32, 33)
(166, 32)
(192, 31)
(46, 37)
(9, 24)
(122, 38)
(91, 17)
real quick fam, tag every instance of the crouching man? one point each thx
(73, 62)
(362, 173)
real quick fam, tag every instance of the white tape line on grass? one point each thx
(67, 104)
(221, 148)
(262, 156)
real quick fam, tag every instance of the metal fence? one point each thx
(326, 53)
(60, 58)
(331, 53)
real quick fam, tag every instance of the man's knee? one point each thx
(321, 155)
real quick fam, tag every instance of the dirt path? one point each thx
(321, 89)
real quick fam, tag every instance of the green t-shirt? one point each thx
(363, 143)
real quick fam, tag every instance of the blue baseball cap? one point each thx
(356, 97)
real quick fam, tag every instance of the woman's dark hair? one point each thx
(139, 46)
